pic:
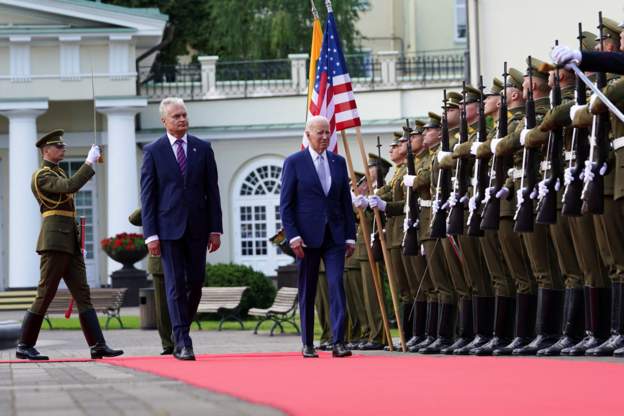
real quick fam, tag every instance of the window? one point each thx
(19, 57)
(460, 21)
(257, 217)
(69, 50)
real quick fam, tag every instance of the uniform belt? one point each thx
(424, 203)
(58, 212)
(618, 143)
(544, 165)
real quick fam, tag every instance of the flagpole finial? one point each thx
(314, 11)
(329, 6)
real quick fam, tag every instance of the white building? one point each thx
(50, 50)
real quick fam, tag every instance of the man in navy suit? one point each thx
(317, 215)
(181, 215)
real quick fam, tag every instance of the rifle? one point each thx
(480, 175)
(410, 242)
(593, 201)
(524, 211)
(455, 220)
(547, 205)
(375, 241)
(443, 186)
(498, 171)
(571, 199)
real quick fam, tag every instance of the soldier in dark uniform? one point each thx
(154, 267)
(59, 248)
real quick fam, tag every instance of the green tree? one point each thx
(248, 29)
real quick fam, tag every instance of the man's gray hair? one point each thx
(315, 119)
(166, 102)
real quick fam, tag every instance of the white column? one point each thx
(24, 217)
(208, 74)
(298, 71)
(388, 67)
(122, 170)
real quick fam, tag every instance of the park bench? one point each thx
(282, 311)
(224, 301)
(17, 300)
(105, 300)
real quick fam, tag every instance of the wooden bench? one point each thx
(105, 300)
(282, 311)
(17, 300)
(224, 301)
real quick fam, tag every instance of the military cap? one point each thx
(515, 79)
(611, 29)
(418, 127)
(589, 41)
(397, 134)
(55, 137)
(373, 159)
(495, 88)
(473, 95)
(433, 122)
(453, 99)
(395, 142)
(539, 67)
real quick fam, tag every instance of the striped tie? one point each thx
(181, 156)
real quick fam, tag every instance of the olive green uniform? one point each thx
(154, 267)
(358, 328)
(322, 306)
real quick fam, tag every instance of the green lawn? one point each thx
(132, 322)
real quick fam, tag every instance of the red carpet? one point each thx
(403, 385)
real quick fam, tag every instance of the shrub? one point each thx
(261, 291)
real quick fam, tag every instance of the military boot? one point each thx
(465, 327)
(597, 302)
(446, 329)
(548, 323)
(525, 324)
(406, 319)
(94, 337)
(31, 325)
(431, 327)
(503, 326)
(616, 340)
(484, 321)
(419, 321)
(573, 323)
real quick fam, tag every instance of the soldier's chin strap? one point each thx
(596, 91)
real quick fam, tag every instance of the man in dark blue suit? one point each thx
(317, 215)
(181, 215)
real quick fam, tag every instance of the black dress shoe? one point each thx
(436, 346)
(372, 346)
(309, 352)
(424, 343)
(339, 351)
(185, 354)
(555, 349)
(101, 350)
(489, 347)
(395, 348)
(25, 352)
(517, 342)
(167, 351)
(325, 346)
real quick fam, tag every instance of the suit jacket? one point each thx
(612, 62)
(304, 207)
(170, 201)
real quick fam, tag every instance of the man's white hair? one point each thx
(315, 119)
(166, 102)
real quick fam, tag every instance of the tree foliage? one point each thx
(248, 29)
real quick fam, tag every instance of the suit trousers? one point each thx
(184, 264)
(333, 256)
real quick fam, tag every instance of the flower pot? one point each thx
(128, 257)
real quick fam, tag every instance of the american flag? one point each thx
(333, 94)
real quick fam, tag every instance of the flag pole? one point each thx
(315, 47)
(384, 246)
(366, 233)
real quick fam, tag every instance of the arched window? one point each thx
(256, 215)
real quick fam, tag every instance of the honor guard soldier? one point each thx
(59, 248)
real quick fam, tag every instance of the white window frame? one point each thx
(69, 57)
(19, 57)
(272, 260)
(460, 10)
(119, 56)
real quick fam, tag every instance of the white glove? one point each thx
(542, 189)
(463, 199)
(488, 195)
(493, 144)
(562, 56)
(405, 225)
(408, 180)
(533, 193)
(93, 155)
(353, 197)
(568, 176)
(474, 147)
(435, 206)
(523, 134)
(557, 185)
(574, 109)
(472, 203)
(502, 193)
(442, 155)
(588, 173)
(519, 197)
(360, 202)
(451, 202)
(375, 202)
